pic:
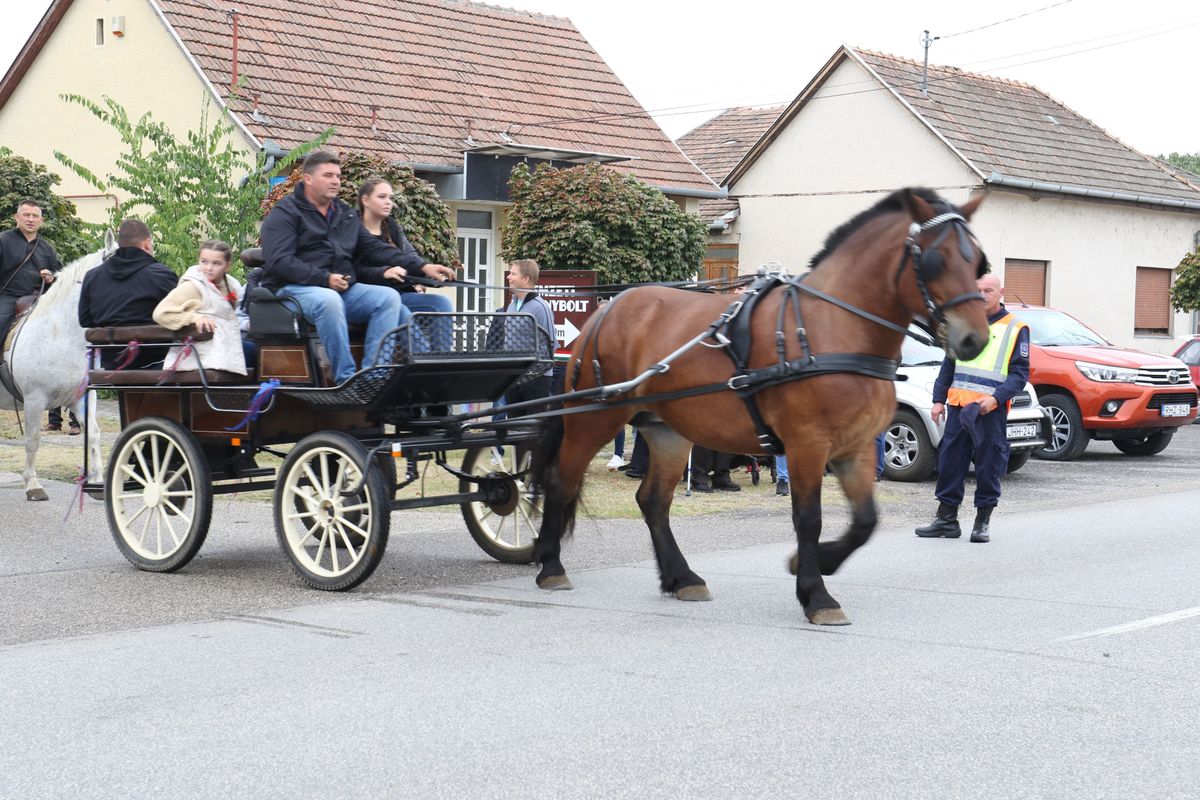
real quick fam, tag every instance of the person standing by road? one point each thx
(978, 393)
(522, 282)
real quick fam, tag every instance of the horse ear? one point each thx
(918, 208)
(972, 205)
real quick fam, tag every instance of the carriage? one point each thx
(347, 450)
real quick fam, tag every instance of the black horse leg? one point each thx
(547, 550)
(858, 483)
(819, 605)
(668, 458)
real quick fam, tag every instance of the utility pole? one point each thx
(926, 40)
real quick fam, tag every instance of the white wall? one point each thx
(144, 71)
(1094, 250)
(828, 164)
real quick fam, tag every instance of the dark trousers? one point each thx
(55, 417)
(957, 451)
(8, 312)
(534, 389)
(705, 461)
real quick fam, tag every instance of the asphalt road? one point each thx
(1053, 662)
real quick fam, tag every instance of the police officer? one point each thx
(978, 393)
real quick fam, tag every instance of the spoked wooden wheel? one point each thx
(333, 540)
(507, 526)
(159, 495)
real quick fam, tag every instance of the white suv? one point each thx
(911, 440)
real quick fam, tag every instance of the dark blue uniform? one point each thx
(981, 438)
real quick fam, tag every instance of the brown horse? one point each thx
(909, 255)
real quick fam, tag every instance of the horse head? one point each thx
(947, 263)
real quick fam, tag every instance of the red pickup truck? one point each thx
(1094, 390)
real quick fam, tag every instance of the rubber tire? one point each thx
(1018, 460)
(477, 515)
(1150, 445)
(378, 511)
(196, 476)
(906, 428)
(1064, 414)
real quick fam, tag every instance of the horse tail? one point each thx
(543, 474)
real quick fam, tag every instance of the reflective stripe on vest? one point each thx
(982, 375)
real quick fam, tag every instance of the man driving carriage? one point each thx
(311, 240)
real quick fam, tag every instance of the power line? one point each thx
(1003, 21)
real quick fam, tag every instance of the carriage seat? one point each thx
(152, 334)
(272, 316)
(159, 377)
(144, 334)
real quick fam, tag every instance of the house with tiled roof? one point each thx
(1074, 217)
(460, 91)
(716, 147)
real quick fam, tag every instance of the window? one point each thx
(100, 32)
(479, 220)
(1025, 281)
(1152, 302)
(720, 263)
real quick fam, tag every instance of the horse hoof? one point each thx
(694, 594)
(828, 616)
(555, 583)
(36, 494)
(794, 563)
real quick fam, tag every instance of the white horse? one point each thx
(47, 354)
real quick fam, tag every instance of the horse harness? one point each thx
(732, 329)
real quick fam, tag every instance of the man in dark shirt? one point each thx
(125, 289)
(26, 261)
(311, 240)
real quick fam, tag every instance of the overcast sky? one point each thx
(1131, 67)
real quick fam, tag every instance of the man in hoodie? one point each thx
(310, 241)
(124, 291)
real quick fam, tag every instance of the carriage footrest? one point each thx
(160, 377)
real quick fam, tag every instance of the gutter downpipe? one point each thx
(997, 179)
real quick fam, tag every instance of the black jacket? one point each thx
(412, 261)
(13, 248)
(304, 247)
(124, 290)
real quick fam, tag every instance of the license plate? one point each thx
(1025, 431)
(1176, 409)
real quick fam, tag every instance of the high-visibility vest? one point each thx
(980, 377)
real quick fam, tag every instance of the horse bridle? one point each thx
(928, 264)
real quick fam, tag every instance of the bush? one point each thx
(20, 178)
(420, 212)
(1185, 294)
(592, 217)
(201, 187)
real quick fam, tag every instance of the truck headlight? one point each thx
(1104, 373)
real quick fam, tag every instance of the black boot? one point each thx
(945, 525)
(983, 516)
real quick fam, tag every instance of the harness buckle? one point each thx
(733, 384)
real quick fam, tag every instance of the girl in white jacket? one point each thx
(207, 297)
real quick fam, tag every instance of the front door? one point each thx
(476, 250)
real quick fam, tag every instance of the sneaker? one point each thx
(74, 430)
(781, 488)
(615, 463)
(497, 457)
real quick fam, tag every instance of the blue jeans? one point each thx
(781, 473)
(443, 329)
(331, 312)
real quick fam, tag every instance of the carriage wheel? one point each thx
(506, 527)
(333, 541)
(158, 495)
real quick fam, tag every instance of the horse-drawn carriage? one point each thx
(346, 449)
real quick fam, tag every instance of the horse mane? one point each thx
(892, 203)
(60, 290)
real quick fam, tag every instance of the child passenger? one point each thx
(207, 296)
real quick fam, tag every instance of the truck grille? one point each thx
(1166, 398)
(1161, 376)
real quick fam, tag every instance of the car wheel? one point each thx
(1150, 445)
(908, 455)
(1018, 460)
(1068, 439)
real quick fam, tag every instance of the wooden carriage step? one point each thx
(156, 377)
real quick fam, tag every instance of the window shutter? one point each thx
(1152, 301)
(1025, 281)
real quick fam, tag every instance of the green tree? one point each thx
(592, 217)
(20, 178)
(1185, 294)
(1188, 161)
(199, 187)
(420, 212)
